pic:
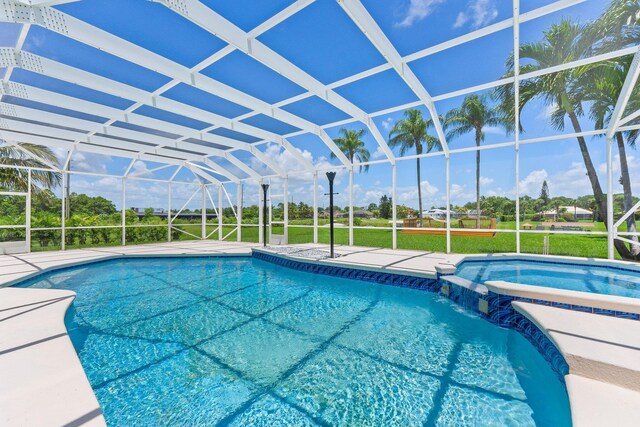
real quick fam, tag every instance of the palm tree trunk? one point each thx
(478, 179)
(628, 197)
(595, 185)
(419, 191)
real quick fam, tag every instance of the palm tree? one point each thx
(474, 115)
(562, 43)
(17, 179)
(563, 90)
(411, 133)
(618, 26)
(602, 85)
(351, 144)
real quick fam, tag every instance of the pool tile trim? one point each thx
(367, 275)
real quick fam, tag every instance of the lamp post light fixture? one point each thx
(265, 188)
(331, 176)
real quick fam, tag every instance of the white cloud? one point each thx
(417, 11)
(494, 130)
(532, 183)
(485, 180)
(286, 161)
(378, 154)
(89, 162)
(139, 167)
(387, 124)
(461, 195)
(478, 13)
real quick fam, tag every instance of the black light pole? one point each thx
(265, 187)
(331, 176)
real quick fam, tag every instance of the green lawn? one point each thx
(559, 244)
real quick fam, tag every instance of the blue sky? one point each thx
(324, 42)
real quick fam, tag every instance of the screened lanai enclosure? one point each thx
(453, 126)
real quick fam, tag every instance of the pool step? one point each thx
(595, 403)
(602, 348)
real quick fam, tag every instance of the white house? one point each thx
(575, 211)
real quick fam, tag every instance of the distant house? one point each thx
(356, 214)
(439, 213)
(156, 211)
(577, 212)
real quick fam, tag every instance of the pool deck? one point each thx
(43, 382)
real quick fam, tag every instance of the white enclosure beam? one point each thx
(85, 125)
(361, 17)
(69, 74)
(129, 149)
(199, 172)
(217, 25)
(614, 123)
(490, 29)
(239, 204)
(146, 171)
(220, 211)
(516, 102)
(222, 171)
(394, 210)
(315, 207)
(69, 26)
(7, 133)
(46, 97)
(610, 231)
(46, 2)
(24, 31)
(625, 93)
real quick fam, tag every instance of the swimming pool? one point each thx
(239, 341)
(575, 277)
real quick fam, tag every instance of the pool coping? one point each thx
(43, 381)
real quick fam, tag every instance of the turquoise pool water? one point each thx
(574, 277)
(236, 341)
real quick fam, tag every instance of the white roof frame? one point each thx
(64, 72)
(151, 147)
(625, 94)
(69, 26)
(84, 125)
(361, 17)
(485, 31)
(209, 20)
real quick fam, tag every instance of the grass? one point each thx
(559, 244)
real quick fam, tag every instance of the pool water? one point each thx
(237, 341)
(574, 277)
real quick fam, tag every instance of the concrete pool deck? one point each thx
(47, 385)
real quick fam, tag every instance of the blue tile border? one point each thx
(501, 312)
(383, 278)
